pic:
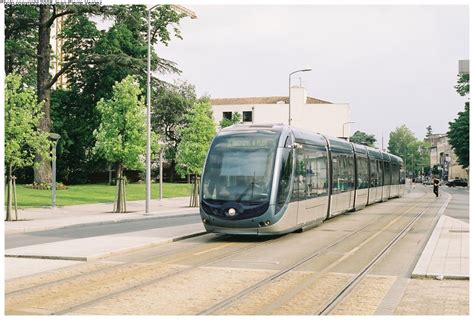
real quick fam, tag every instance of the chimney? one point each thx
(298, 96)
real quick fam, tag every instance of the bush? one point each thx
(46, 186)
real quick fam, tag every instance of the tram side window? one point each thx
(350, 172)
(285, 176)
(343, 172)
(299, 179)
(386, 173)
(316, 172)
(395, 173)
(380, 171)
(362, 172)
(373, 173)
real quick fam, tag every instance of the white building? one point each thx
(328, 118)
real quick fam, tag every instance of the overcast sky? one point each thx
(394, 65)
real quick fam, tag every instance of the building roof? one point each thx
(262, 100)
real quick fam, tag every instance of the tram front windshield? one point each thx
(239, 167)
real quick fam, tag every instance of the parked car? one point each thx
(427, 180)
(456, 182)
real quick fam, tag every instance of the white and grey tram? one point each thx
(275, 179)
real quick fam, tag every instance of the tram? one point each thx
(275, 179)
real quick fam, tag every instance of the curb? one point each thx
(110, 253)
(148, 216)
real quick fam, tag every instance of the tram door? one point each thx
(315, 184)
(299, 184)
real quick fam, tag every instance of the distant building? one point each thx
(306, 112)
(443, 156)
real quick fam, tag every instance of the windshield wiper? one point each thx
(252, 185)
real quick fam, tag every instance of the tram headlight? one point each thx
(231, 212)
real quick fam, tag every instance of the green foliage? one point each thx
(196, 138)
(458, 136)
(21, 40)
(236, 118)
(429, 131)
(98, 59)
(363, 138)
(169, 109)
(121, 137)
(463, 84)
(22, 115)
(404, 144)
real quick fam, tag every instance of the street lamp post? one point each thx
(343, 126)
(289, 91)
(188, 13)
(55, 137)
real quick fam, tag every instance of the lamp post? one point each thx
(343, 126)
(192, 15)
(55, 137)
(289, 91)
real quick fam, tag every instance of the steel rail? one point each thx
(163, 277)
(106, 269)
(342, 293)
(229, 301)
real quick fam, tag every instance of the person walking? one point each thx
(436, 187)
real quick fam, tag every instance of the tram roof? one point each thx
(278, 127)
(396, 159)
(336, 144)
(386, 156)
(359, 148)
(308, 137)
(374, 153)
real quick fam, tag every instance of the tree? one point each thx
(121, 137)
(463, 84)
(233, 120)
(458, 136)
(196, 138)
(404, 144)
(22, 137)
(363, 138)
(429, 131)
(21, 40)
(169, 110)
(132, 56)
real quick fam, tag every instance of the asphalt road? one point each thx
(458, 207)
(77, 232)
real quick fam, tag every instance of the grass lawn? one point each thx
(95, 193)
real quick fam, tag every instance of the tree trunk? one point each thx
(194, 201)
(172, 167)
(43, 172)
(9, 195)
(120, 201)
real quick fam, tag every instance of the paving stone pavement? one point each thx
(434, 297)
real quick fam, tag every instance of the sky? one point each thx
(393, 65)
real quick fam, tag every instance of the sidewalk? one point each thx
(54, 255)
(39, 219)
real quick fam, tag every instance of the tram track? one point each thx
(222, 305)
(97, 299)
(106, 268)
(137, 266)
(349, 286)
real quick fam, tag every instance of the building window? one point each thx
(227, 115)
(247, 116)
